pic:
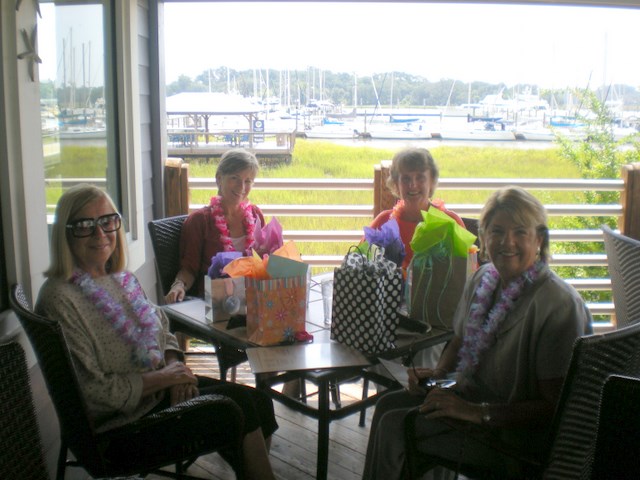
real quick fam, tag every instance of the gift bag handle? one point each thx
(377, 251)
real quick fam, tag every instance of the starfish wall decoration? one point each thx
(36, 5)
(31, 54)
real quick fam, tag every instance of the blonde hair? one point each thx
(69, 204)
(521, 206)
(413, 160)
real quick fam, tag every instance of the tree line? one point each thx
(297, 88)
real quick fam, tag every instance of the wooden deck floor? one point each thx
(294, 445)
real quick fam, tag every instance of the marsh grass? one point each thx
(317, 159)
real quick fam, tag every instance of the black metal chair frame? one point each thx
(572, 437)
(173, 436)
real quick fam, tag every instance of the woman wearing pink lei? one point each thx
(129, 365)
(514, 330)
(227, 224)
(413, 178)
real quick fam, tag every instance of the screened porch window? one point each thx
(77, 104)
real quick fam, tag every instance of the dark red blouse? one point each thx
(200, 241)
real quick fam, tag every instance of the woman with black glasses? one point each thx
(128, 363)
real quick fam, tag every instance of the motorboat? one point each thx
(489, 131)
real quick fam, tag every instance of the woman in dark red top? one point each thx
(226, 224)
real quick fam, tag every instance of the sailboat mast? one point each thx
(604, 68)
(391, 93)
(355, 91)
(255, 90)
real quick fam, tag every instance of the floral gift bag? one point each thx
(275, 292)
(276, 309)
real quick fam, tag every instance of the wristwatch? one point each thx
(486, 414)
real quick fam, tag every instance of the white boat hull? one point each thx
(542, 135)
(475, 135)
(83, 133)
(331, 133)
(398, 134)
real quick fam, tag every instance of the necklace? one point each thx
(221, 224)
(398, 208)
(397, 211)
(140, 332)
(480, 333)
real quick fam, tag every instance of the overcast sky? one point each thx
(548, 46)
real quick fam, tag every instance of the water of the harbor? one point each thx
(428, 123)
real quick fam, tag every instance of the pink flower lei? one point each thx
(220, 221)
(140, 332)
(480, 333)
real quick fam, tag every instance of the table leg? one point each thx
(323, 430)
(365, 394)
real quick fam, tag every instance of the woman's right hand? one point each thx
(176, 294)
(175, 373)
(416, 375)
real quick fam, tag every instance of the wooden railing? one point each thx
(627, 212)
(178, 186)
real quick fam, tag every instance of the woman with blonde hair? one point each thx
(514, 330)
(128, 363)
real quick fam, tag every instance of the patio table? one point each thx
(323, 362)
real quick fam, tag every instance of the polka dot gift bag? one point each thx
(366, 298)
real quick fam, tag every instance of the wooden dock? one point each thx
(267, 145)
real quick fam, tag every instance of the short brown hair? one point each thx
(236, 160)
(415, 160)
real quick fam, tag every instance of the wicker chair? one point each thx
(471, 224)
(617, 452)
(21, 454)
(572, 440)
(622, 255)
(165, 239)
(174, 436)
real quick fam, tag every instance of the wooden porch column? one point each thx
(629, 224)
(176, 187)
(383, 199)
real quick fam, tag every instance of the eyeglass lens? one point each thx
(86, 227)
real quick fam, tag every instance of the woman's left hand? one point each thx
(444, 402)
(182, 393)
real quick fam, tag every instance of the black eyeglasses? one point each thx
(85, 227)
